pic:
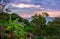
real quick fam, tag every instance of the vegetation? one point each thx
(12, 26)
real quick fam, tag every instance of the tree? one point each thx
(39, 22)
(15, 25)
(45, 14)
(54, 28)
(16, 31)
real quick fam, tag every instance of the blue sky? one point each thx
(26, 8)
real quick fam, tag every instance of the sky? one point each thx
(27, 8)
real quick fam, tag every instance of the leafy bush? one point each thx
(16, 29)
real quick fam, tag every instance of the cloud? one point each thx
(25, 15)
(51, 13)
(54, 13)
(21, 5)
(25, 10)
(25, 0)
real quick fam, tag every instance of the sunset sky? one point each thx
(27, 8)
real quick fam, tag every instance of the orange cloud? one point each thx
(54, 13)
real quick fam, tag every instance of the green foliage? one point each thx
(17, 29)
(54, 28)
(49, 31)
(3, 19)
(39, 23)
(40, 37)
(14, 25)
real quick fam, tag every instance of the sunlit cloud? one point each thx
(26, 15)
(27, 8)
(54, 13)
(51, 13)
(21, 5)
